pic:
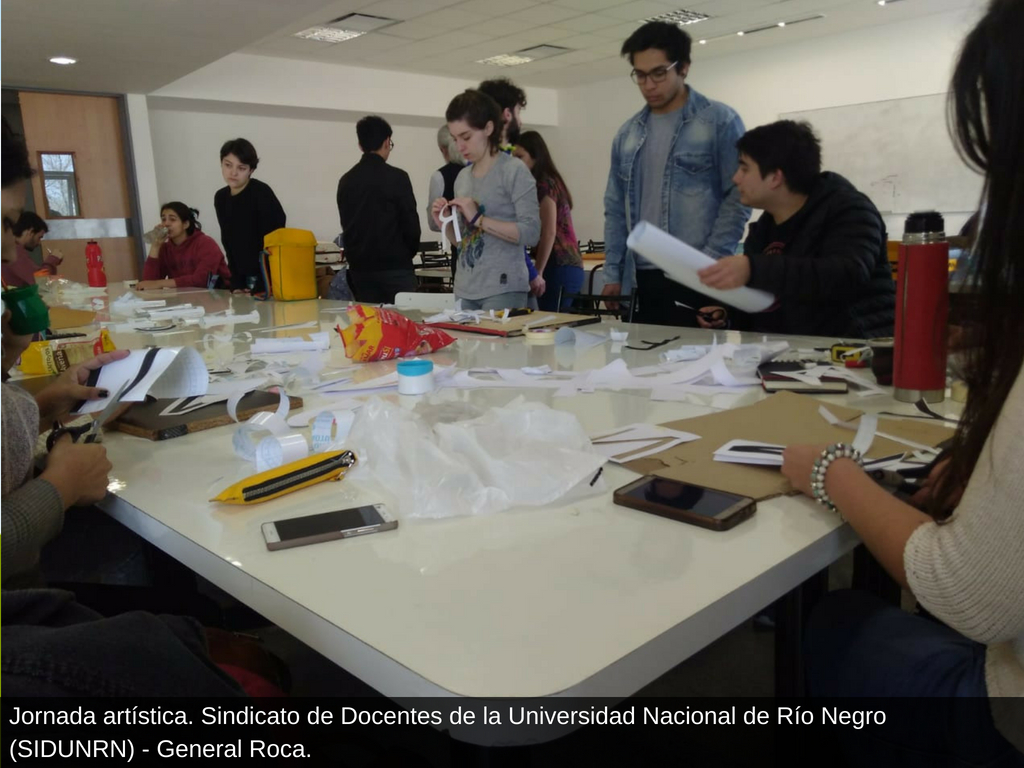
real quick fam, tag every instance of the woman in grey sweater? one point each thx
(496, 201)
(961, 555)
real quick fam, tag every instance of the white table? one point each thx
(585, 599)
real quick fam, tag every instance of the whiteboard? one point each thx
(898, 152)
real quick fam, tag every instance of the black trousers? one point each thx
(381, 287)
(656, 300)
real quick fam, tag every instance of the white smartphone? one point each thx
(328, 526)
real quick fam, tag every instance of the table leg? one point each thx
(791, 611)
(870, 576)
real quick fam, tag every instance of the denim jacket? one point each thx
(700, 204)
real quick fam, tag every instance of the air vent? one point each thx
(681, 17)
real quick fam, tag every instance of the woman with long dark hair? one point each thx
(557, 255)
(185, 257)
(961, 554)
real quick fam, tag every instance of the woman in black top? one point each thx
(247, 210)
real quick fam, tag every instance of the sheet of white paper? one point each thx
(729, 453)
(170, 372)
(637, 441)
(318, 342)
(580, 339)
(681, 262)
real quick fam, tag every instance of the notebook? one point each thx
(774, 379)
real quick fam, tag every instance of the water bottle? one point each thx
(94, 265)
(922, 310)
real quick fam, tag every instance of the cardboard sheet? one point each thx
(62, 318)
(784, 418)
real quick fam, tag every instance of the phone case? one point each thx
(388, 524)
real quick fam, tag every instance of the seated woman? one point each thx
(497, 199)
(963, 557)
(185, 258)
(557, 255)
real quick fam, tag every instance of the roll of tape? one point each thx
(958, 391)
(540, 337)
(415, 377)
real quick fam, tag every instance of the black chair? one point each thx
(590, 304)
(432, 257)
(595, 246)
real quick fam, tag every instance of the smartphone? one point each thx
(328, 526)
(687, 503)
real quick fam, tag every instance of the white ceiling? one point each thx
(137, 46)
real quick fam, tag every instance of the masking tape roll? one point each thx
(958, 391)
(540, 337)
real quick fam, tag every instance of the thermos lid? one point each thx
(924, 221)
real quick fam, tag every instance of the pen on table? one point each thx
(599, 471)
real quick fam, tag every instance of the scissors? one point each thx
(91, 433)
(652, 344)
(709, 317)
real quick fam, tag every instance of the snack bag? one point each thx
(56, 355)
(383, 334)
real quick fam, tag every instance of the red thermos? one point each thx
(94, 263)
(922, 309)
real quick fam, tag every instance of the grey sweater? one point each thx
(969, 571)
(32, 511)
(489, 265)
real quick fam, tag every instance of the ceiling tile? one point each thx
(539, 15)
(640, 10)
(586, 5)
(452, 18)
(494, 8)
(587, 23)
(413, 30)
(401, 9)
(499, 27)
(579, 42)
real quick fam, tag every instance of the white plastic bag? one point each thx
(523, 454)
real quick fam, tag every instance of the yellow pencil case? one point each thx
(288, 478)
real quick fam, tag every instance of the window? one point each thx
(59, 185)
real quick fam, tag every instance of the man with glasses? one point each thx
(379, 220)
(672, 165)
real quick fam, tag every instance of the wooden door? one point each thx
(90, 128)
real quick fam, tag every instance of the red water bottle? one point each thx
(94, 263)
(922, 310)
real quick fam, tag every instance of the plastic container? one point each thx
(415, 377)
(29, 313)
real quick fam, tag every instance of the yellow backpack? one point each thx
(289, 264)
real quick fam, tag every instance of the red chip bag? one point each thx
(383, 334)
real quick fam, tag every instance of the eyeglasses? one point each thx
(657, 74)
(391, 143)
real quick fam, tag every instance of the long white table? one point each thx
(584, 599)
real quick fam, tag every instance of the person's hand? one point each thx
(13, 344)
(797, 463)
(926, 488)
(720, 323)
(612, 289)
(56, 400)
(79, 472)
(468, 207)
(57, 254)
(436, 208)
(726, 273)
(537, 286)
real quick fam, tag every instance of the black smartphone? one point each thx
(693, 504)
(327, 526)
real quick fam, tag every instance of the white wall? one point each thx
(301, 117)
(896, 61)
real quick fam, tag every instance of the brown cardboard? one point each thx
(783, 418)
(62, 318)
(516, 326)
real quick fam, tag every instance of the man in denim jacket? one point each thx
(672, 165)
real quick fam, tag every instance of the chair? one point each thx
(428, 302)
(590, 304)
(431, 256)
(595, 246)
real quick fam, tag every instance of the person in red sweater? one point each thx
(29, 231)
(185, 258)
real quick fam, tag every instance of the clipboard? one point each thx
(144, 419)
(517, 326)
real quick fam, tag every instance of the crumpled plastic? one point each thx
(522, 454)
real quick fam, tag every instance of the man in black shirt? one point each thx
(247, 210)
(378, 219)
(820, 245)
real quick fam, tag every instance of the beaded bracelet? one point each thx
(821, 465)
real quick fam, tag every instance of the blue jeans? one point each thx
(857, 645)
(511, 300)
(563, 278)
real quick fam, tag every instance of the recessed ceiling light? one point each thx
(63, 60)
(741, 33)
(681, 17)
(328, 34)
(542, 51)
(782, 24)
(703, 42)
(505, 60)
